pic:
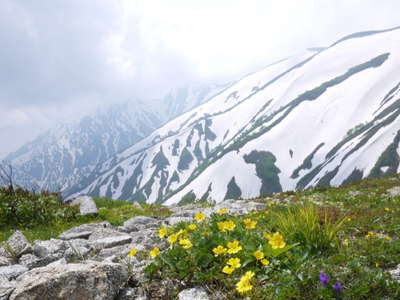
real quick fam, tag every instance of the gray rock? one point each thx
(75, 254)
(13, 271)
(78, 243)
(394, 191)
(86, 205)
(75, 235)
(83, 231)
(91, 281)
(78, 249)
(110, 242)
(139, 222)
(31, 261)
(114, 253)
(6, 288)
(5, 261)
(45, 248)
(59, 262)
(17, 245)
(171, 221)
(101, 233)
(193, 294)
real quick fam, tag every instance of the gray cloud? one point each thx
(60, 59)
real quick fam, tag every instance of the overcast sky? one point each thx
(60, 59)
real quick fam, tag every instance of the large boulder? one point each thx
(91, 281)
(86, 205)
(83, 231)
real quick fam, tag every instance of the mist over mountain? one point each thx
(62, 156)
(324, 116)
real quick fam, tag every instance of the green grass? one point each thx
(354, 240)
(114, 211)
(350, 233)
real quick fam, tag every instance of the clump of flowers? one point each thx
(219, 245)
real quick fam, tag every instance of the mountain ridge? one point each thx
(261, 102)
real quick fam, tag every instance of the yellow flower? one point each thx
(258, 255)
(348, 219)
(185, 243)
(276, 241)
(234, 247)
(265, 262)
(172, 238)
(153, 253)
(132, 253)
(224, 226)
(234, 262)
(250, 224)
(162, 232)
(228, 270)
(244, 284)
(222, 211)
(267, 235)
(387, 209)
(219, 250)
(200, 217)
(192, 227)
(346, 242)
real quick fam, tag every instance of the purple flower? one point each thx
(337, 287)
(323, 278)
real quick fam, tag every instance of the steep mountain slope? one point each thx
(324, 117)
(61, 157)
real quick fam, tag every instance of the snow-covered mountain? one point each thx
(324, 116)
(62, 156)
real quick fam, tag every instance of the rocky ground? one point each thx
(91, 261)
